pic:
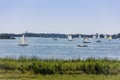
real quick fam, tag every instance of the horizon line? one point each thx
(54, 33)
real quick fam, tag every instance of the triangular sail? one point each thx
(70, 38)
(98, 38)
(80, 36)
(23, 41)
(94, 36)
(105, 36)
(86, 40)
(110, 38)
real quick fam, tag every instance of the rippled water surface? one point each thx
(47, 48)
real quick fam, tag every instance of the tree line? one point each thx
(55, 35)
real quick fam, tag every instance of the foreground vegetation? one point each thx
(28, 76)
(44, 67)
(36, 69)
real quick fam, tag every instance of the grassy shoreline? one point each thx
(44, 67)
(37, 69)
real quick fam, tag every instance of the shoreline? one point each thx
(44, 67)
(36, 69)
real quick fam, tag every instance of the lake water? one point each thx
(47, 48)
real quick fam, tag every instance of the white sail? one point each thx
(105, 36)
(94, 36)
(23, 41)
(86, 40)
(110, 38)
(98, 39)
(80, 36)
(70, 38)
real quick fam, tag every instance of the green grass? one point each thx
(28, 76)
(37, 69)
(44, 67)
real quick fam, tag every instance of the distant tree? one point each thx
(114, 36)
(102, 35)
(118, 35)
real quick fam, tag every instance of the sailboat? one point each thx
(94, 36)
(55, 39)
(80, 36)
(23, 41)
(70, 37)
(98, 39)
(110, 38)
(105, 36)
(86, 40)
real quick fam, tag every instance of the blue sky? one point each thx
(60, 16)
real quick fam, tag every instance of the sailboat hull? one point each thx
(23, 45)
(70, 40)
(82, 45)
(86, 42)
(98, 41)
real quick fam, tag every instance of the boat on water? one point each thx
(98, 39)
(55, 39)
(70, 37)
(110, 38)
(82, 45)
(105, 36)
(94, 36)
(80, 36)
(23, 41)
(86, 40)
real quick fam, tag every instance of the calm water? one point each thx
(47, 48)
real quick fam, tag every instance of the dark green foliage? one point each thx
(95, 68)
(37, 66)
